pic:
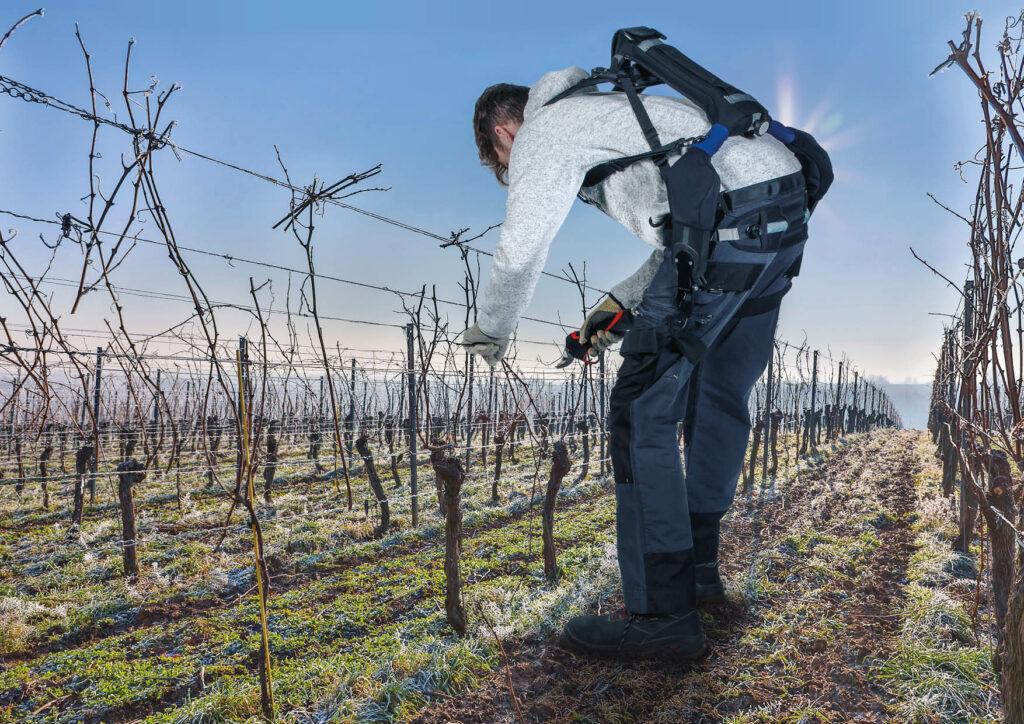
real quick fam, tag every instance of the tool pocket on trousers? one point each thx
(636, 375)
(707, 303)
(638, 366)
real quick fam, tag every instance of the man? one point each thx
(695, 362)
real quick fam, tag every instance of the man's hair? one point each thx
(501, 103)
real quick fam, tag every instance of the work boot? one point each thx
(636, 635)
(705, 529)
(674, 632)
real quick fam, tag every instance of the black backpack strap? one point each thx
(815, 163)
(600, 172)
(655, 62)
(659, 152)
(760, 305)
(597, 77)
(732, 276)
(794, 268)
(650, 133)
(603, 170)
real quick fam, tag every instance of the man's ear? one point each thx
(504, 135)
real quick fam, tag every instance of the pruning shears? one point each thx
(576, 349)
(607, 324)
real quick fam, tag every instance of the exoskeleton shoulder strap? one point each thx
(657, 62)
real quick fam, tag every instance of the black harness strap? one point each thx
(688, 345)
(601, 171)
(670, 334)
(732, 276)
(794, 268)
(641, 116)
(760, 305)
(762, 190)
(585, 83)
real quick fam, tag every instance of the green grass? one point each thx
(365, 644)
(936, 669)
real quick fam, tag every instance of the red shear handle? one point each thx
(579, 350)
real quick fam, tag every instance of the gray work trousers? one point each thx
(703, 380)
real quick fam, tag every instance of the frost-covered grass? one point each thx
(938, 670)
(385, 671)
(589, 574)
(801, 588)
(358, 631)
(307, 526)
(18, 619)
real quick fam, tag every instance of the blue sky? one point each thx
(340, 87)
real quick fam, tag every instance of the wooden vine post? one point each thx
(450, 475)
(129, 474)
(583, 424)
(95, 462)
(766, 420)
(1003, 540)
(411, 379)
(812, 424)
(748, 481)
(776, 423)
(82, 458)
(270, 468)
(363, 448)
(260, 567)
(44, 457)
(20, 485)
(560, 466)
(968, 502)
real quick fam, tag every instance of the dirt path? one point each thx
(812, 604)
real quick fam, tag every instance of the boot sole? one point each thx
(658, 654)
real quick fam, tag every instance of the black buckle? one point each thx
(641, 32)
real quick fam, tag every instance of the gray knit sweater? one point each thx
(552, 152)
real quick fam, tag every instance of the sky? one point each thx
(340, 87)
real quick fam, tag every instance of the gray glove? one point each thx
(602, 340)
(606, 324)
(492, 349)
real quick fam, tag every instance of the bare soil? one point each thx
(800, 651)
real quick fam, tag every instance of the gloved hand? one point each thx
(606, 324)
(492, 349)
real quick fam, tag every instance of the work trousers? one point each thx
(697, 366)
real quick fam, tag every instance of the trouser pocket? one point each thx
(644, 359)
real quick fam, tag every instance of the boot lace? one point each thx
(632, 618)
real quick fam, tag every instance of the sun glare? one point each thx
(824, 123)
